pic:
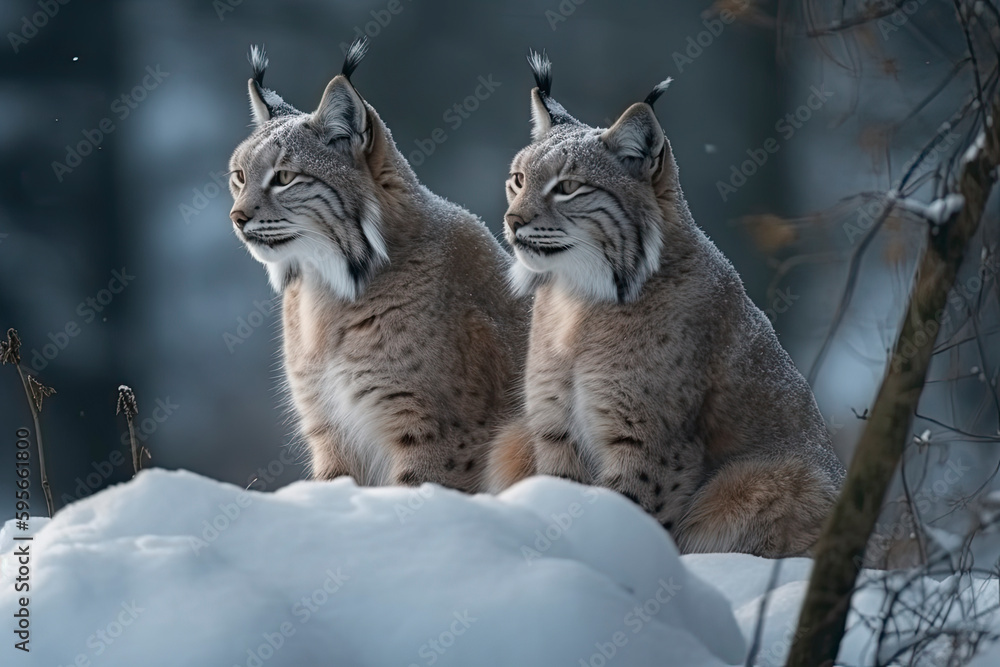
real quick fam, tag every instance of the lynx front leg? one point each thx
(660, 483)
(326, 453)
(411, 465)
(548, 422)
(557, 455)
(420, 447)
(433, 459)
(415, 439)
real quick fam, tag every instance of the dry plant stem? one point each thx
(128, 405)
(46, 489)
(136, 458)
(842, 543)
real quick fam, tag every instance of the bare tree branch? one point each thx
(842, 543)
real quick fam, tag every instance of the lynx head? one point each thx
(303, 184)
(583, 202)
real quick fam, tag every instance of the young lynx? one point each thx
(649, 369)
(401, 341)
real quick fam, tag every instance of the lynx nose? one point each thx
(239, 218)
(514, 221)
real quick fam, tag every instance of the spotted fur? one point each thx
(401, 342)
(649, 369)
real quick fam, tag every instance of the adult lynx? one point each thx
(401, 341)
(649, 369)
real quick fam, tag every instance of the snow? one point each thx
(177, 569)
(938, 211)
(204, 573)
(972, 152)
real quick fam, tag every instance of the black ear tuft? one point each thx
(258, 61)
(545, 111)
(355, 54)
(658, 90)
(265, 104)
(541, 68)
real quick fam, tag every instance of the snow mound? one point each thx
(743, 580)
(176, 569)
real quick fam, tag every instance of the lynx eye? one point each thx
(284, 177)
(240, 177)
(518, 179)
(567, 187)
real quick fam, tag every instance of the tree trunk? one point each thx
(841, 546)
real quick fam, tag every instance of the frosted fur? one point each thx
(401, 343)
(649, 369)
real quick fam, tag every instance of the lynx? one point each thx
(401, 341)
(649, 369)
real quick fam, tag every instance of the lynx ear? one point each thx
(637, 139)
(258, 107)
(342, 113)
(541, 122)
(264, 104)
(545, 111)
(541, 69)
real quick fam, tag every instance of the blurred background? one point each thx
(118, 263)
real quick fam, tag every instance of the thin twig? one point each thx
(758, 631)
